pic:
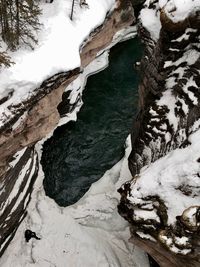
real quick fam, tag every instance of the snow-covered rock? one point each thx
(162, 200)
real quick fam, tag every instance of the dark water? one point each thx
(80, 152)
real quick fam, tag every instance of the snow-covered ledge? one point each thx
(162, 201)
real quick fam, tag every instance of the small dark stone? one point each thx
(28, 234)
(198, 160)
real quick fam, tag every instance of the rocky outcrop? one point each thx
(15, 195)
(36, 117)
(162, 201)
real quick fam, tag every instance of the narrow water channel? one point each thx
(80, 152)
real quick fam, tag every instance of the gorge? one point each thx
(160, 198)
(80, 152)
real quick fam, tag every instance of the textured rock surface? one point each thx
(169, 115)
(16, 189)
(34, 119)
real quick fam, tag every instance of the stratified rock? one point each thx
(15, 195)
(162, 202)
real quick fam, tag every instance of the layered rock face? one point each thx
(162, 202)
(16, 188)
(34, 119)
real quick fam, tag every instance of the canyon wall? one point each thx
(34, 119)
(162, 200)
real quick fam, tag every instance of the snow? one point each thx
(88, 233)
(151, 22)
(189, 56)
(143, 214)
(183, 37)
(58, 49)
(195, 126)
(178, 10)
(185, 107)
(19, 121)
(181, 240)
(98, 64)
(166, 176)
(169, 100)
(169, 242)
(145, 236)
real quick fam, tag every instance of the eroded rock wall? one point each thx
(16, 188)
(168, 118)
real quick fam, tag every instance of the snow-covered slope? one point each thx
(58, 50)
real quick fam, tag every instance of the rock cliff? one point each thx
(36, 117)
(162, 201)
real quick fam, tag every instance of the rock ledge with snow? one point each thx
(162, 201)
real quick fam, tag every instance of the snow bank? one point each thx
(176, 10)
(150, 21)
